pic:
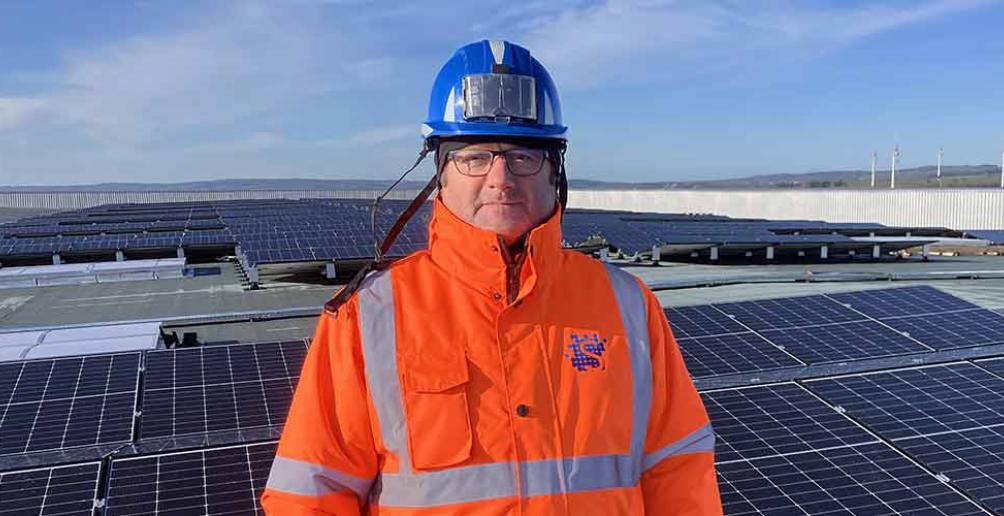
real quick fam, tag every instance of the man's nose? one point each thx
(498, 174)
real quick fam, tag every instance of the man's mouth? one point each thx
(501, 203)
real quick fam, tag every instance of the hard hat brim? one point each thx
(460, 129)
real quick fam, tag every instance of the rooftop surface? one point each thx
(177, 301)
(808, 400)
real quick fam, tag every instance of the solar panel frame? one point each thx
(918, 401)
(67, 402)
(70, 489)
(953, 330)
(701, 321)
(779, 419)
(870, 479)
(972, 460)
(789, 312)
(853, 340)
(902, 301)
(993, 365)
(731, 354)
(225, 480)
(219, 388)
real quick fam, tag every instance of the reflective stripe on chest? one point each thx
(423, 419)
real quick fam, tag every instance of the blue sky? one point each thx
(141, 91)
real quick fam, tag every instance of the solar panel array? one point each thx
(139, 412)
(902, 439)
(319, 229)
(752, 336)
(113, 227)
(948, 417)
(308, 230)
(905, 439)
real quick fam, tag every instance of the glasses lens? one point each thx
(472, 162)
(524, 162)
(521, 162)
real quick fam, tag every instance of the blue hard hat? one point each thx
(494, 88)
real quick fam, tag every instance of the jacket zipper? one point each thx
(512, 270)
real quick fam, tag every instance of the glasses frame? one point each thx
(495, 154)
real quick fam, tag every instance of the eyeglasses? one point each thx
(519, 161)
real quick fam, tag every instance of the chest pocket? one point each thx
(435, 402)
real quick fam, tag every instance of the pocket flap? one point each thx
(435, 373)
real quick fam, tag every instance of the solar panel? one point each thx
(212, 481)
(994, 365)
(735, 353)
(996, 237)
(899, 302)
(67, 402)
(869, 479)
(700, 321)
(790, 312)
(925, 400)
(969, 328)
(219, 388)
(843, 341)
(972, 460)
(754, 422)
(58, 490)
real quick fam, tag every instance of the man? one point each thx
(495, 372)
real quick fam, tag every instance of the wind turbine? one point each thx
(895, 159)
(874, 161)
(941, 154)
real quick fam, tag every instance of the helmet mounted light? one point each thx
(495, 96)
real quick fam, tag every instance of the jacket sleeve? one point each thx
(678, 474)
(326, 459)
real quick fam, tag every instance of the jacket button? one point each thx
(497, 296)
(522, 410)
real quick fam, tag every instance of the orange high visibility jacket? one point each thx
(456, 382)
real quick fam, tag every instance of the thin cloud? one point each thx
(16, 110)
(239, 64)
(648, 41)
(270, 142)
(284, 87)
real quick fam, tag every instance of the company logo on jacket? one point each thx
(586, 351)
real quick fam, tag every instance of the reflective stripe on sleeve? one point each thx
(308, 479)
(379, 343)
(634, 317)
(700, 440)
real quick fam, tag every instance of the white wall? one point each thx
(955, 208)
(952, 208)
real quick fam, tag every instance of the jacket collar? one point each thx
(477, 256)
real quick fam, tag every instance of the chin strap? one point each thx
(562, 178)
(382, 247)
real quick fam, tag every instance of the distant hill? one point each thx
(223, 185)
(920, 177)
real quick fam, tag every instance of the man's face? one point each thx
(499, 201)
